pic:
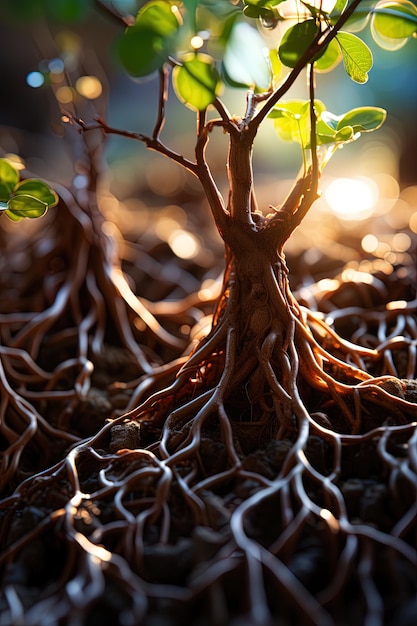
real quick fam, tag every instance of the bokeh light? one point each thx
(56, 66)
(413, 222)
(35, 79)
(197, 42)
(89, 86)
(64, 95)
(184, 244)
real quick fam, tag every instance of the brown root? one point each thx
(268, 477)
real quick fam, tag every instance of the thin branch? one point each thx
(222, 111)
(201, 122)
(313, 127)
(305, 191)
(321, 42)
(252, 101)
(152, 143)
(308, 198)
(295, 207)
(163, 97)
(204, 175)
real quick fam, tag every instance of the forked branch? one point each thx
(150, 142)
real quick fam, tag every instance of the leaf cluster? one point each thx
(214, 44)
(28, 198)
(292, 123)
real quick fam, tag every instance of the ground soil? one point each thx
(83, 541)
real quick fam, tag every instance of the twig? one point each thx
(313, 128)
(163, 97)
(152, 143)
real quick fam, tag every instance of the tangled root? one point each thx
(280, 489)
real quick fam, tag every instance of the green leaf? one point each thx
(357, 57)
(330, 58)
(276, 66)
(191, 14)
(287, 118)
(5, 192)
(147, 45)
(158, 16)
(331, 120)
(38, 190)
(9, 176)
(296, 41)
(395, 20)
(346, 134)
(292, 120)
(315, 8)
(260, 8)
(363, 119)
(25, 206)
(337, 10)
(226, 28)
(244, 61)
(325, 133)
(196, 81)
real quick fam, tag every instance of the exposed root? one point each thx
(237, 491)
(77, 344)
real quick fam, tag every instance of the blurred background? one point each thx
(366, 216)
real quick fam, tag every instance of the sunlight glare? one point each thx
(330, 519)
(396, 304)
(352, 198)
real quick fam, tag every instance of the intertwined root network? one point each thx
(268, 476)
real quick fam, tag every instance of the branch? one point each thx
(150, 142)
(222, 111)
(204, 175)
(294, 209)
(308, 197)
(163, 97)
(308, 56)
(313, 128)
(201, 122)
(252, 101)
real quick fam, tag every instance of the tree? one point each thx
(260, 339)
(270, 374)
(257, 312)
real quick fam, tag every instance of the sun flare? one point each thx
(352, 198)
